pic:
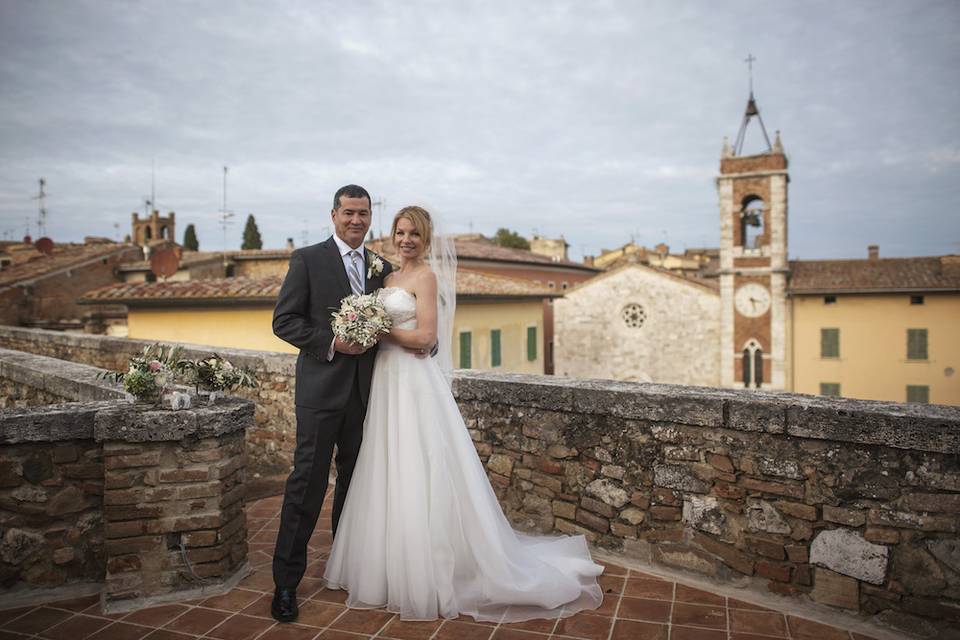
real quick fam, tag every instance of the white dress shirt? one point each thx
(345, 250)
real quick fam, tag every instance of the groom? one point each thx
(332, 385)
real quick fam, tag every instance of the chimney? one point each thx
(290, 244)
(873, 251)
(588, 260)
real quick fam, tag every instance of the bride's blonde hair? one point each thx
(420, 218)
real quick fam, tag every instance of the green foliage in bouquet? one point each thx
(216, 373)
(149, 372)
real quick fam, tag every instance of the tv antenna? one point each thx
(381, 204)
(225, 215)
(41, 197)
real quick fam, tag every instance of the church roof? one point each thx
(710, 284)
(880, 275)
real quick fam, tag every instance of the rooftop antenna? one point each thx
(225, 215)
(381, 204)
(751, 111)
(116, 231)
(41, 197)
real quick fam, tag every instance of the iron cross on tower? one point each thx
(752, 111)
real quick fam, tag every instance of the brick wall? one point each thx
(147, 502)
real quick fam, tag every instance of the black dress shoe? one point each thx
(284, 607)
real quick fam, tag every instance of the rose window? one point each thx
(633, 316)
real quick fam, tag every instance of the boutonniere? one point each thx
(374, 265)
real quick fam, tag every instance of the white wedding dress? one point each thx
(421, 532)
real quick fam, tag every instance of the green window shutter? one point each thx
(918, 393)
(829, 343)
(916, 344)
(829, 389)
(466, 345)
(495, 359)
(531, 343)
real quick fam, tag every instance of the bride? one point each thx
(421, 532)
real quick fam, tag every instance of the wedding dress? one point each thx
(421, 532)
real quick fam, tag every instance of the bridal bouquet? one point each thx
(361, 319)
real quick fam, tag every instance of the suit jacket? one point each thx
(315, 284)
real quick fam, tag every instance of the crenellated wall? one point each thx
(853, 504)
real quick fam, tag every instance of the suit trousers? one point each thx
(317, 433)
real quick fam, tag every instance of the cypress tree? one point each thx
(251, 235)
(190, 242)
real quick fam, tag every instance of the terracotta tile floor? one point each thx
(637, 606)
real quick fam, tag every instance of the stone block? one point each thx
(68, 500)
(704, 513)
(763, 516)
(680, 477)
(593, 521)
(881, 535)
(147, 459)
(168, 476)
(565, 526)
(623, 530)
(728, 554)
(778, 488)
(598, 507)
(765, 547)
(564, 509)
(773, 571)
(797, 510)
(933, 502)
(687, 558)
(720, 462)
(917, 571)
(797, 553)
(633, 515)
(640, 499)
(844, 551)
(848, 517)
(609, 492)
(835, 589)
(664, 513)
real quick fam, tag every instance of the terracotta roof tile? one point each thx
(64, 256)
(476, 247)
(881, 274)
(266, 289)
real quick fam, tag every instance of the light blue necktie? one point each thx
(353, 273)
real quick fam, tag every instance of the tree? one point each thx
(190, 239)
(512, 239)
(251, 235)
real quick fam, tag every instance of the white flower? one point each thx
(375, 264)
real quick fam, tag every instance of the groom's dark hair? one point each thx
(351, 191)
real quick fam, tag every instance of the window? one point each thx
(633, 315)
(830, 388)
(752, 364)
(552, 284)
(916, 344)
(564, 285)
(495, 360)
(918, 393)
(829, 299)
(916, 299)
(829, 343)
(466, 340)
(531, 343)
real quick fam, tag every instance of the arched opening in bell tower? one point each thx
(751, 222)
(752, 364)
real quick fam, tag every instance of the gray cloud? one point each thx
(595, 120)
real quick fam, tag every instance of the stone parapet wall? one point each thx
(147, 502)
(854, 504)
(270, 440)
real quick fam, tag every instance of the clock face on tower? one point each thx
(752, 300)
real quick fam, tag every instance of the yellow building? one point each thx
(879, 329)
(498, 324)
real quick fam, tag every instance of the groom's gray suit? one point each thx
(331, 398)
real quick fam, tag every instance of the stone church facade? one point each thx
(642, 324)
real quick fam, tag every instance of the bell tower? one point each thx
(753, 260)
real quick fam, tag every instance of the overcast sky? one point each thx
(595, 120)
